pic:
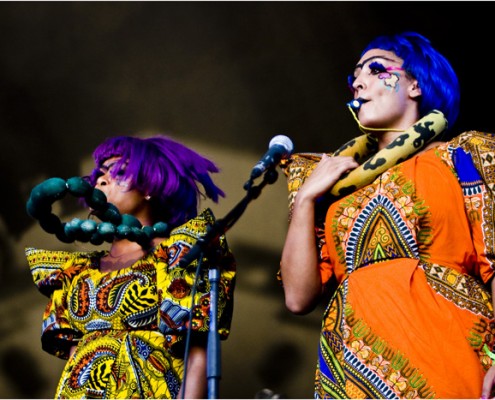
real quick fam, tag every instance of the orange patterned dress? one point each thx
(129, 325)
(412, 254)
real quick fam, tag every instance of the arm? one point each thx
(299, 263)
(196, 375)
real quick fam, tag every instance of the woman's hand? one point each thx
(325, 175)
(488, 382)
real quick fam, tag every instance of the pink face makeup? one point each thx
(391, 79)
(392, 68)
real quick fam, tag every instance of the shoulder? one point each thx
(52, 269)
(431, 145)
(191, 230)
(478, 149)
(484, 141)
(182, 238)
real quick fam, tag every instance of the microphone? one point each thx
(279, 147)
(356, 103)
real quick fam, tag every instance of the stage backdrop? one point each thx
(224, 78)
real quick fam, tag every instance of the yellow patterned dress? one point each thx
(412, 255)
(129, 325)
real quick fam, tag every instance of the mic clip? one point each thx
(270, 176)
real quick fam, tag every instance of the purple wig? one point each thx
(164, 169)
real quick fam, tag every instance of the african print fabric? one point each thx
(129, 325)
(412, 253)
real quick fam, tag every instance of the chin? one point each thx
(369, 123)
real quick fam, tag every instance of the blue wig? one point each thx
(436, 77)
(171, 173)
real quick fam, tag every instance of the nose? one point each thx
(358, 83)
(102, 180)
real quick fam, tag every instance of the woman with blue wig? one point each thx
(396, 230)
(133, 321)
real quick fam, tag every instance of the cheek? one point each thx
(389, 81)
(124, 184)
(114, 197)
(117, 194)
(131, 202)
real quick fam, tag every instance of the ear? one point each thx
(414, 89)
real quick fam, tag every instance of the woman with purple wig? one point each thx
(396, 229)
(133, 321)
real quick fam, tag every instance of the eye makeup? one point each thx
(119, 175)
(375, 67)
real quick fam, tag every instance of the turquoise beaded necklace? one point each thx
(113, 226)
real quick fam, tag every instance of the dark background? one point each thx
(224, 77)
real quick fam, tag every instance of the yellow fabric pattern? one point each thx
(129, 325)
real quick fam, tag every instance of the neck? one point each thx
(385, 136)
(123, 246)
(405, 145)
(122, 254)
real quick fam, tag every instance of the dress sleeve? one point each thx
(177, 290)
(474, 164)
(52, 273)
(297, 168)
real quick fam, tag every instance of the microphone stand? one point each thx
(213, 369)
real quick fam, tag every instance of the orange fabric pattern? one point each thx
(413, 254)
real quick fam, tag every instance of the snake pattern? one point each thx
(364, 150)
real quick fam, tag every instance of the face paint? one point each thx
(376, 68)
(390, 79)
(107, 169)
(124, 184)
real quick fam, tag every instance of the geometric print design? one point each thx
(378, 223)
(379, 233)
